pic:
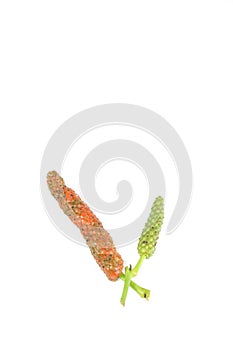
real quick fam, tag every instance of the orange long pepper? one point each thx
(98, 239)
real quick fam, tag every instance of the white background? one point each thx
(60, 57)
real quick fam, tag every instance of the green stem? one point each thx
(129, 273)
(128, 277)
(138, 265)
(142, 292)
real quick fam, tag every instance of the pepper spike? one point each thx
(150, 234)
(97, 238)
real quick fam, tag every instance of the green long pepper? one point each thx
(146, 247)
(150, 234)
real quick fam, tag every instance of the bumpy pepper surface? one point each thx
(150, 234)
(98, 239)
